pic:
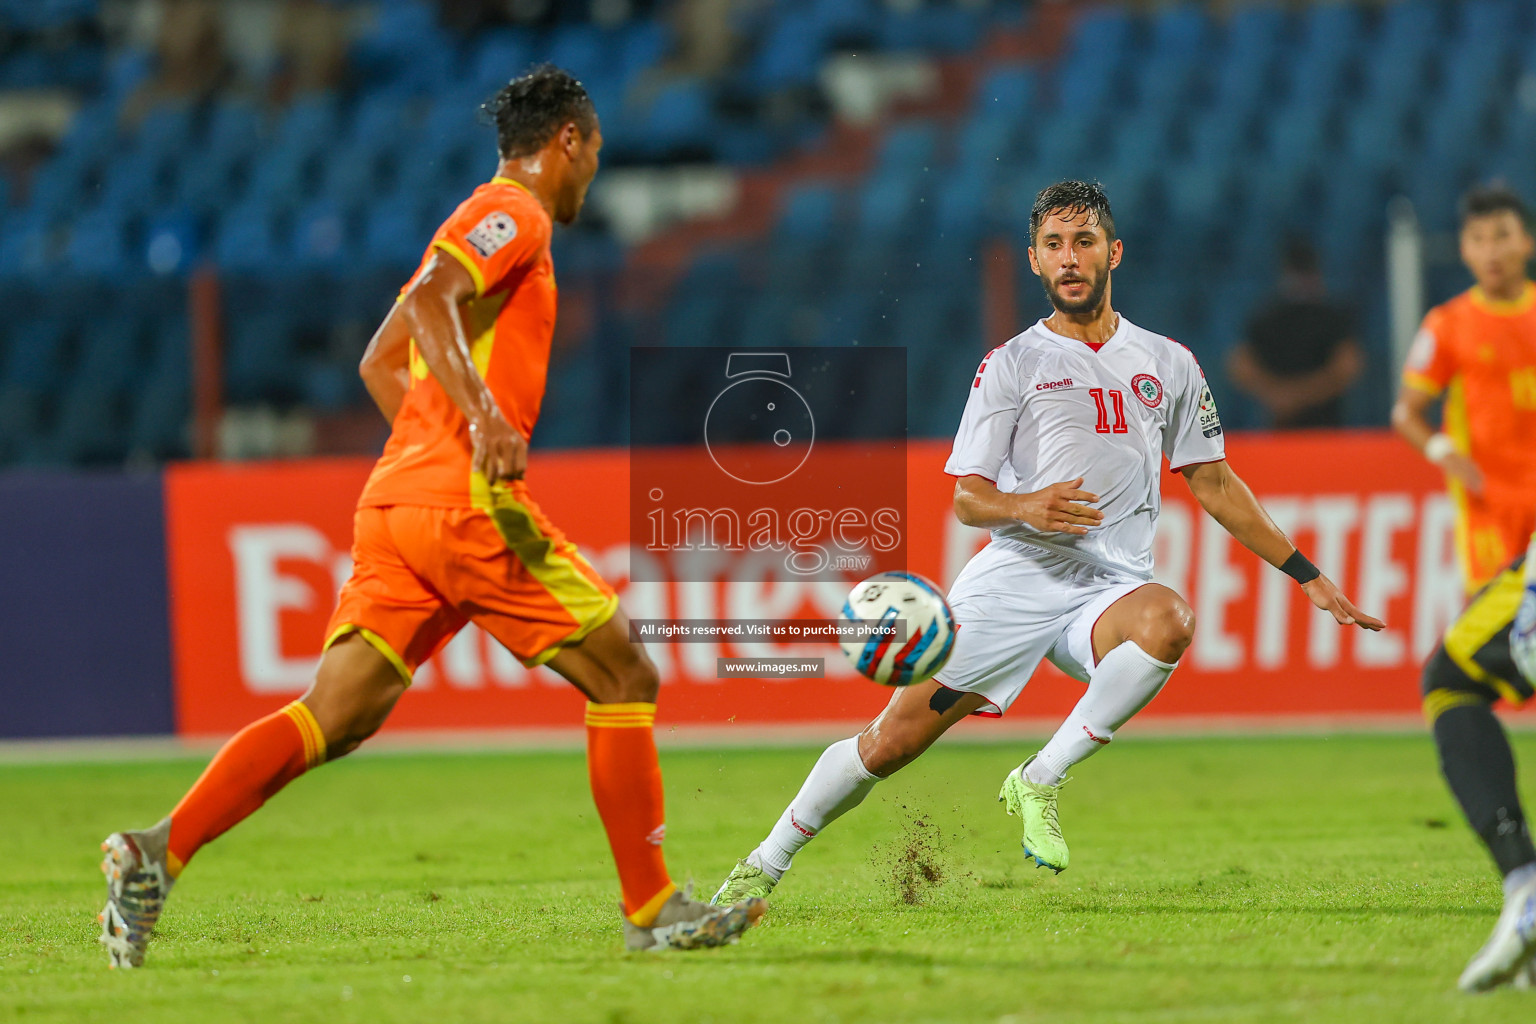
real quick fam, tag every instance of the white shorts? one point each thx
(1017, 604)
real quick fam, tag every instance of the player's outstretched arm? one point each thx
(1054, 509)
(1222, 493)
(431, 313)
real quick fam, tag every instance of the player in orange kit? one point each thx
(1478, 351)
(446, 532)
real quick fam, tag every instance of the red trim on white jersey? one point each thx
(1187, 465)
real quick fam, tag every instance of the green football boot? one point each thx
(745, 882)
(1036, 804)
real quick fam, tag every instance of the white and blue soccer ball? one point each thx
(930, 628)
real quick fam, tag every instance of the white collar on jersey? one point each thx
(1120, 331)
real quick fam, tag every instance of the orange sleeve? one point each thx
(493, 235)
(1432, 360)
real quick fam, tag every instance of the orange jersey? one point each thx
(500, 234)
(1482, 354)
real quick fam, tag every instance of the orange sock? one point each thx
(626, 786)
(261, 759)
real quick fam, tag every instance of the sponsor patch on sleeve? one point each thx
(1210, 422)
(492, 233)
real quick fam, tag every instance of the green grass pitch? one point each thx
(1254, 879)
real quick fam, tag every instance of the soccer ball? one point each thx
(930, 630)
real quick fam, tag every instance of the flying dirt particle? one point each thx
(917, 865)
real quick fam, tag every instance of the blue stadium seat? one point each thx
(246, 238)
(92, 132)
(791, 52)
(987, 141)
(378, 123)
(888, 205)
(1375, 139)
(963, 203)
(35, 353)
(847, 19)
(580, 49)
(90, 427)
(1102, 35)
(234, 127)
(1486, 19)
(1008, 89)
(680, 119)
(1218, 138)
(157, 425)
(97, 242)
(281, 178)
(262, 359)
(404, 44)
(322, 236)
(109, 352)
(1474, 70)
(26, 244)
(395, 232)
(208, 184)
(908, 148)
(1180, 30)
(642, 45)
(166, 130)
(454, 120)
(133, 183)
(1165, 81)
(1333, 29)
(353, 177)
(945, 29)
(1410, 26)
(809, 212)
(311, 123)
(500, 56)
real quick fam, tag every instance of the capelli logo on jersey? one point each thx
(1054, 385)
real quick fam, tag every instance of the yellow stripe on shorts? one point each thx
(554, 565)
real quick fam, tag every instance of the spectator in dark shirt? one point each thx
(1299, 356)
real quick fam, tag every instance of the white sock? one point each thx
(1125, 681)
(1518, 877)
(837, 785)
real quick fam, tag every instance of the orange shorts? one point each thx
(1489, 537)
(419, 574)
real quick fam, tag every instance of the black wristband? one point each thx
(1298, 568)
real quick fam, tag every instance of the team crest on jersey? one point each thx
(1149, 389)
(1210, 422)
(495, 231)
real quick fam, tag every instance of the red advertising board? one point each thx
(257, 552)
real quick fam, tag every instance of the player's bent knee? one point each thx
(636, 682)
(1165, 628)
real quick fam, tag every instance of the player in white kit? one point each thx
(1058, 454)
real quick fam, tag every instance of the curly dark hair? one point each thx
(530, 109)
(1494, 198)
(1072, 198)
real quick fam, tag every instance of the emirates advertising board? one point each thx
(257, 553)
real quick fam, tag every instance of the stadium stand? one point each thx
(1216, 134)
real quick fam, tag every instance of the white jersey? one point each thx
(1045, 409)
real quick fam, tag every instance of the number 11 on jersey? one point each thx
(1118, 399)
